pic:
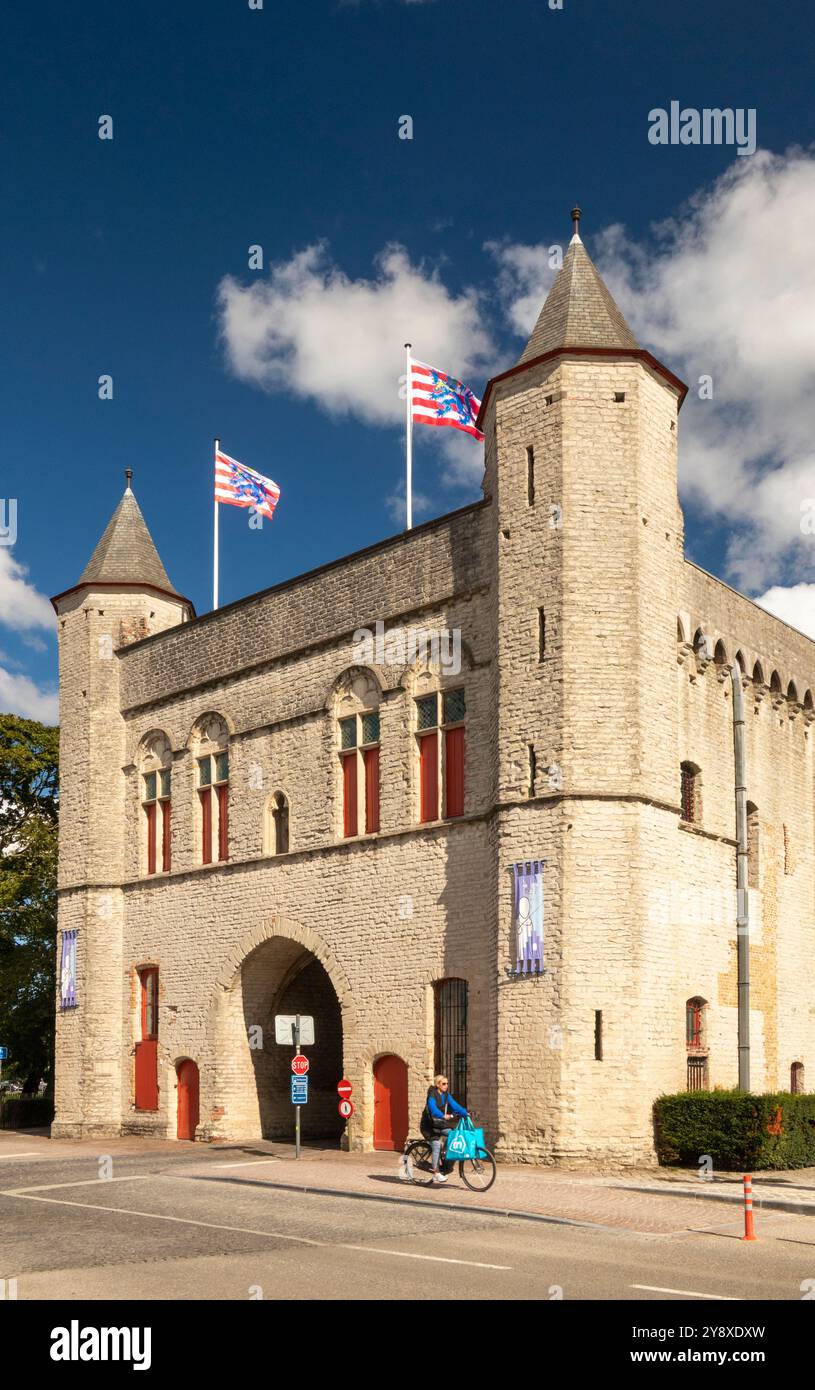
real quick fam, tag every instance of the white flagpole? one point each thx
(409, 445)
(215, 536)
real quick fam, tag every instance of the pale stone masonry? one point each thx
(633, 681)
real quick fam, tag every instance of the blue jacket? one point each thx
(436, 1111)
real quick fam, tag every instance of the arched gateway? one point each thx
(280, 968)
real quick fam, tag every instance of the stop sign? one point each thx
(346, 1109)
(344, 1089)
(299, 1064)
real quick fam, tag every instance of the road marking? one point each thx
(86, 1182)
(409, 1255)
(29, 1153)
(244, 1163)
(688, 1293)
(246, 1230)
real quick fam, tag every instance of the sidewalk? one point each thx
(651, 1201)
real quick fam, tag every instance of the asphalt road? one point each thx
(165, 1226)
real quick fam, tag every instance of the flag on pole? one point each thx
(438, 399)
(240, 486)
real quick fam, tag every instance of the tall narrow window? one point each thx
(359, 756)
(541, 634)
(280, 824)
(427, 719)
(797, 1078)
(213, 795)
(533, 770)
(453, 712)
(441, 754)
(146, 1064)
(695, 1023)
(156, 803)
(690, 790)
(530, 476)
(598, 1035)
(450, 1051)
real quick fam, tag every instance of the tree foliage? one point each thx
(29, 803)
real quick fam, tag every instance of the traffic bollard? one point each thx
(749, 1229)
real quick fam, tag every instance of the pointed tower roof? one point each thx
(579, 310)
(580, 318)
(126, 554)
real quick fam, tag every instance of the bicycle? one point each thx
(477, 1173)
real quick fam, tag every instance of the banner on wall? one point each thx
(528, 916)
(67, 972)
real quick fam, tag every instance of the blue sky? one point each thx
(278, 127)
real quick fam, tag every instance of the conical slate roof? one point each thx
(126, 553)
(579, 310)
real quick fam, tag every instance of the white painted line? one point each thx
(86, 1182)
(250, 1231)
(28, 1153)
(409, 1255)
(688, 1293)
(244, 1163)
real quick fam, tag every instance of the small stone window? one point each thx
(619, 396)
(797, 1079)
(691, 789)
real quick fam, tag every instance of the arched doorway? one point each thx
(187, 1073)
(282, 977)
(390, 1102)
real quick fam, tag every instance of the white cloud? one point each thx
(19, 695)
(728, 290)
(796, 605)
(310, 329)
(21, 605)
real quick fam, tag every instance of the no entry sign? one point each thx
(344, 1089)
(346, 1109)
(299, 1064)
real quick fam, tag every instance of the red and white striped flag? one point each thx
(438, 399)
(240, 486)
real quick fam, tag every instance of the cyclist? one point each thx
(440, 1115)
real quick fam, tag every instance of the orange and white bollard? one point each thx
(749, 1229)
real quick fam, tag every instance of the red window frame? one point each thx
(429, 776)
(150, 811)
(222, 790)
(350, 812)
(695, 1025)
(148, 979)
(204, 794)
(370, 757)
(166, 850)
(454, 771)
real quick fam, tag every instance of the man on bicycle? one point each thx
(441, 1113)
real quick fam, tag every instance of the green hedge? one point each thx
(738, 1130)
(26, 1112)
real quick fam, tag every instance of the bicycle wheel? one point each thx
(478, 1173)
(419, 1163)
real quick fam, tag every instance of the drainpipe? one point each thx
(742, 902)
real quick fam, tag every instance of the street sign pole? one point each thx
(297, 1107)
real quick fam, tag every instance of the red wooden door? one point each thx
(187, 1099)
(390, 1103)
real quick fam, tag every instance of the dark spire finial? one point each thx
(576, 216)
(128, 478)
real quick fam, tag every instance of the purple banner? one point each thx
(67, 971)
(528, 916)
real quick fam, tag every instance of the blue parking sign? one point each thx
(299, 1090)
(3, 1054)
